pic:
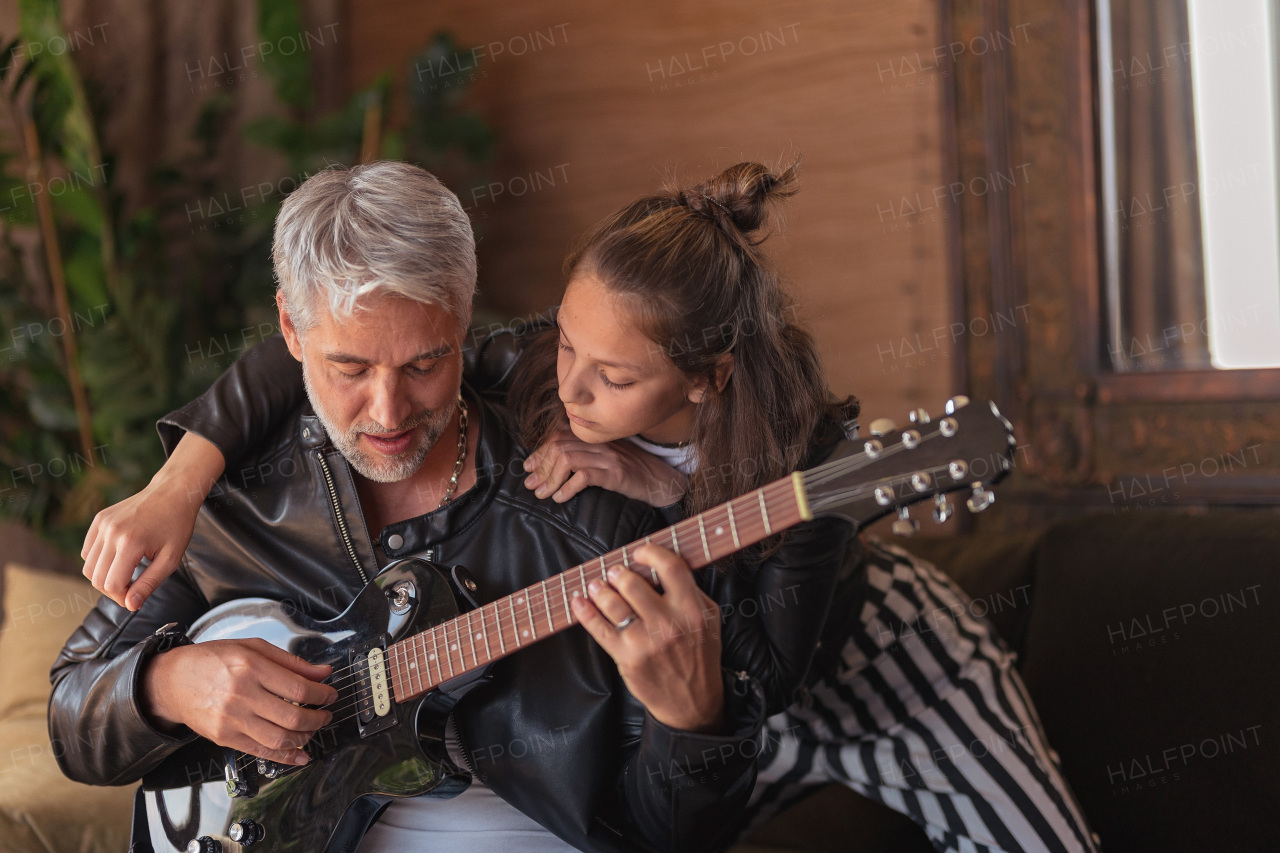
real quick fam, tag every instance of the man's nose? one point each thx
(390, 404)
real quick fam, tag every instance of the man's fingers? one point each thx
(673, 572)
(636, 592)
(598, 626)
(283, 682)
(293, 720)
(263, 739)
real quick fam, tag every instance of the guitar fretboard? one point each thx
(450, 649)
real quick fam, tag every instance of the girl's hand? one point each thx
(565, 465)
(156, 523)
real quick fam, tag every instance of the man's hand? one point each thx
(669, 656)
(245, 694)
(565, 465)
(156, 523)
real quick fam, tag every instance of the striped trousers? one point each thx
(925, 713)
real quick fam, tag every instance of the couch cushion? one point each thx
(1153, 654)
(40, 809)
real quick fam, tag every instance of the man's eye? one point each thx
(422, 371)
(347, 374)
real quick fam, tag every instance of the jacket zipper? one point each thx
(342, 520)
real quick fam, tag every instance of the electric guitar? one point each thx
(402, 654)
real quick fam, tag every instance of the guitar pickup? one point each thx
(375, 707)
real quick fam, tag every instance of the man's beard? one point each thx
(376, 467)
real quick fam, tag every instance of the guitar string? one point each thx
(541, 601)
(536, 601)
(589, 567)
(816, 477)
(504, 625)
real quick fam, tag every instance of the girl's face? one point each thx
(614, 381)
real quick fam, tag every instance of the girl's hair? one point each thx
(687, 261)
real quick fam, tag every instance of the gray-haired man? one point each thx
(393, 457)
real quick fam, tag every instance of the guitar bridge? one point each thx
(375, 710)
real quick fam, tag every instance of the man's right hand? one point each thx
(244, 694)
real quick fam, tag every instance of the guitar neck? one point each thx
(453, 648)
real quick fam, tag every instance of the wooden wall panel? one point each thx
(617, 97)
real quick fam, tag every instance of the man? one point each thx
(392, 458)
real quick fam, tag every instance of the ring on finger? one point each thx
(625, 623)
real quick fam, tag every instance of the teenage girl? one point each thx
(674, 373)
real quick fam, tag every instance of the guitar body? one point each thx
(356, 769)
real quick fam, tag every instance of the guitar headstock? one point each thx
(969, 447)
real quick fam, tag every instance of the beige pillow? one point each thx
(41, 609)
(42, 811)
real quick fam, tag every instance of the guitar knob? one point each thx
(957, 403)
(921, 481)
(245, 832)
(881, 427)
(942, 509)
(904, 524)
(918, 416)
(980, 499)
(204, 844)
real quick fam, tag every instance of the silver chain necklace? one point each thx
(462, 451)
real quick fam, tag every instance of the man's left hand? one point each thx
(669, 654)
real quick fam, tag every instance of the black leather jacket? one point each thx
(774, 610)
(617, 779)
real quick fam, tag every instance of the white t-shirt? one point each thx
(680, 458)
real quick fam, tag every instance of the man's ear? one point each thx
(291, 337)
(724, 369)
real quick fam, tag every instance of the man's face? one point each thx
(384, 382)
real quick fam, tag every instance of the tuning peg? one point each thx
(904, 524)
(873, 447)
(957, 403)
(884, 495)
(948, 427)
(942, 509)
(881, 427)
(980, 499)
(957, 470)
(918, 416)
(921, 481)
(910, 439)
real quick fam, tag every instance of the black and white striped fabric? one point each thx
(925, 713)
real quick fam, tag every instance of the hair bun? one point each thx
(738, 198)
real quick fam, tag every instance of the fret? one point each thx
(546, 601)
(444, 634)
(394, 669)
(515, 623)
(497, 618)
(435, 654)
(675, 543)
(764, 513)
(604, 572)
(565, 595)
(702, 531)
(484, 632)
(733, 527)
(626, 559)
(471, 638)
(528, 605)
(418, 660)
